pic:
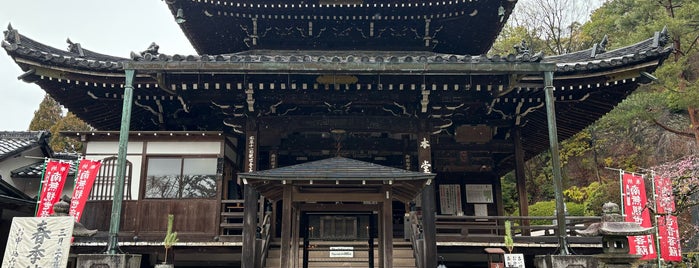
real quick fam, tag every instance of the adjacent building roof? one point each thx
(15, 142)
(36, 169)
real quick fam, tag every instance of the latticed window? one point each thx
(181, 177)
(103, 189)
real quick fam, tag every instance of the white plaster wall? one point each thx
(111, 148)
(184, 148)
(28, 186)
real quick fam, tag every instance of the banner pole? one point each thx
(41, 185)
(621, 191)
(655, 220)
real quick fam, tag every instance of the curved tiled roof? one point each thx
(13, 142)
(20, 45)
(585, 60)
(597, 57)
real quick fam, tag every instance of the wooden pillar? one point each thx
(521, 179)
(286, 228)
(295, 228)
(251, 197)
(424, 155)
(273, 163)
(387, 227)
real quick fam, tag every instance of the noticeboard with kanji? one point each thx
(514, 260)
(38, 242)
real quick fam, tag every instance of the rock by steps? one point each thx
(319, 255)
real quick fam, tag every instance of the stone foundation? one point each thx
(568, 261)
(109, 261)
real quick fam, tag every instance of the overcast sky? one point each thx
(105, 26)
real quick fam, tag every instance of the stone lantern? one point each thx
(615, 242)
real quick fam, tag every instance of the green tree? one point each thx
(48, 114)
(635, 20)
(68, 123)
(49, 117)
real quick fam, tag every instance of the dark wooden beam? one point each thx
(348, 123)
(324, 197)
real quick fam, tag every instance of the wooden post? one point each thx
(286, 227)
(387, 227)
(424, 155)
(521, 179)
(295, 235)
(250, 205)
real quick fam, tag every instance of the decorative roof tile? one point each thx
(586, 60)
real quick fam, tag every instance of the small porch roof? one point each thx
(338, 172)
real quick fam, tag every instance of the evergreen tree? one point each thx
(676, 88)
(48, 114)
(49, 117)
(68, 123)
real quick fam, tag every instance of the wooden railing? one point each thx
(146, 219)
(416, 239)
(477, 229)
(263, 240)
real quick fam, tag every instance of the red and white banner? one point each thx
(665, 200)
(671, 250)
(55, 174)
(635, 209)
(87, 172)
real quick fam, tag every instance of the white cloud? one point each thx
(109, 27)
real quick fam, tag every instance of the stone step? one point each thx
(397, 253)
(319, 257)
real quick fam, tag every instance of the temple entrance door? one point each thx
(340, 238)
(338, 227)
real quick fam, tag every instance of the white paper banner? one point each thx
(38, 242)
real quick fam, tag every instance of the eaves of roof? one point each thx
(7, 191)
(588, 60)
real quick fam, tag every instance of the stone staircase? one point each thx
(319, 255)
